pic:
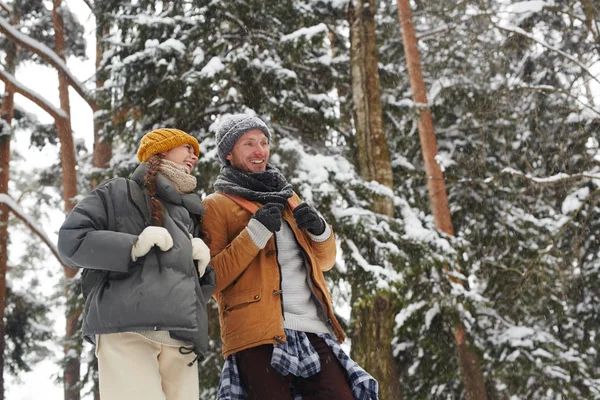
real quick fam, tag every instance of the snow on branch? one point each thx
(9, 79)
(435, 31)
(521, 32)
(305, 33)
(5, 7)
(558, 178)
(48, 55)
(385, 275)
(549, 88)
(30, 223)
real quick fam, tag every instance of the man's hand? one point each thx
(201, 253)
(270, 216)
(151, 236)
(307, 218)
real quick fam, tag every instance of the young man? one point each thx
(269, 252)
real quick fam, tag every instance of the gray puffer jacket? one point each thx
(160, 291)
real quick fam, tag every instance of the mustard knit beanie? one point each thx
(164, 139)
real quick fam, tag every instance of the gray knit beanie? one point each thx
(232, 128)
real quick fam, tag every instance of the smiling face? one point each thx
(251, 152)
(182, 155)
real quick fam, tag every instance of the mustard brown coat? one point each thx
(248, 289)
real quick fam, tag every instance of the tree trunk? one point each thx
(372, 342)
(102, 146)
(373, 155)
(6, 113)
(471, 374)
(373, 322)
(69, 181)
(589, 9)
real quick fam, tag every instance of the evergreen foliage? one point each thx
(512, 96)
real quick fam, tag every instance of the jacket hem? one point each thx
(228, 352)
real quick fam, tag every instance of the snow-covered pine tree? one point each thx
(186, 64)
(509, 108)
(26, 324)
(31, 17)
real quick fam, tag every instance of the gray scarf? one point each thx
(264, 187)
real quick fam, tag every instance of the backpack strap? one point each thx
(252, 207)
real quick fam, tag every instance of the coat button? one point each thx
(256, 297)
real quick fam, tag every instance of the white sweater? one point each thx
(299, 305)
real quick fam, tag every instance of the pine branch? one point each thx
(5, 7)
(551, 180)
(45, 105)
(521, 32)
(48, 55)
(30, 223)
(547, 88)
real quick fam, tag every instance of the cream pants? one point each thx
(132, 367)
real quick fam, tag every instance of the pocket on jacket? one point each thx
(233, 307)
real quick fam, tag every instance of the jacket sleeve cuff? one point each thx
(259, 234)
(323, 236)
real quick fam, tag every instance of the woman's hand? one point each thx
(201, 253)
(151, 236)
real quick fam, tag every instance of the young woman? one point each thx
(146, 276)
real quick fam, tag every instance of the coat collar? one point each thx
(167, 192)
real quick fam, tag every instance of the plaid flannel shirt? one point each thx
(298, 357)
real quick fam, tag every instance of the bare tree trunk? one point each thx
(69, 180)
(589, 10)
(472, 376)
(102, 147)
(373, 155)
(6, 113)
(373, 325)
(372, 334)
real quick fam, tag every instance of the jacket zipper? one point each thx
(280, 275)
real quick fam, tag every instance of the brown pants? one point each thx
(263, 382)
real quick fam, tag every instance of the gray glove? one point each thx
(308, 218)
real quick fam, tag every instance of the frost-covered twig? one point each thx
(547, 88)
(521, 32)
(45, 105)
(30, 223)
(550, 180)
(5, 7)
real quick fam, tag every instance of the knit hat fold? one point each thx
(232, 128)
(164, 139)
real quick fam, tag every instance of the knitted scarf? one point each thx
(264, 187)
(179, 176)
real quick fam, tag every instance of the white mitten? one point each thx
(151, 236)
(200, 252)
